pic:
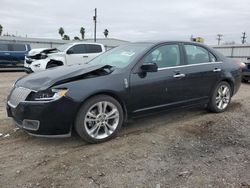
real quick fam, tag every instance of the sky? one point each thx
(132, 20)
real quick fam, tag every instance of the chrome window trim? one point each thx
(180, 66)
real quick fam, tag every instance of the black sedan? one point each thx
(246, 71)
(127, 81)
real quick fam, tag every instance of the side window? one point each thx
(196, 54)
(164, 56)
(18, 47)
(93, 48)
(4, 47)
(78, 49)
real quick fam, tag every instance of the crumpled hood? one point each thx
(37, 51)
(45, 79)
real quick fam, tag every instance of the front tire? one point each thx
(51, 65)
(99, 119)
(220, 98)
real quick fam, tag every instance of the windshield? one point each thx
(121, 56)
(64, 47)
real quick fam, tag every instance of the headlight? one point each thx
(48, 95)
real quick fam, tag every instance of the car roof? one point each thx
(169, 41)
(73, 43)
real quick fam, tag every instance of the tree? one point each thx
(82, 31)
(66, 37)
(61, 31)
(76, 38)
(1, 29)
(106, 33)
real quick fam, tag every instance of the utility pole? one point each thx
(219, 38)
(243, 38)
(95, 20)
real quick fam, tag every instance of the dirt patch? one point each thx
(185, 148)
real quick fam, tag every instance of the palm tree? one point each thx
(61, 31)
(1, 29)
(82, 31)
(106, 33)
(66, 37)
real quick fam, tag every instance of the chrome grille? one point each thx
(18, 95)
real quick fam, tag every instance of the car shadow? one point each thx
(134, 126)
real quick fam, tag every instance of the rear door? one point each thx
(4, 52)
(83, 53)
(77, 55)
(18, 52)
(93, 50)
(202, 71)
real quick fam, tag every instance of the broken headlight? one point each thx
(48, 95)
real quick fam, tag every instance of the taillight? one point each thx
(240, 64)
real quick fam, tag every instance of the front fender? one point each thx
(39, 65)
(58, 58)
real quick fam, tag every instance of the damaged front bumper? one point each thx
(44, 119)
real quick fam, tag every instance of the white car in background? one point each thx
(67, 54)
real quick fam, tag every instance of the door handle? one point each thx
(179, 76)
(85, 56)
(216, 70)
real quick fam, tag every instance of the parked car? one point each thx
(246, 72)
(67, 54)
(131, 80)
(13, 54)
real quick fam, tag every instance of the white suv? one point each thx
(67, 54)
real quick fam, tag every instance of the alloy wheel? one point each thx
(101, 120)
(223, 97)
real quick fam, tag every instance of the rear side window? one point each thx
(78, 49)
(93, 48)
(18, 47)
(4, 47)
(196, 54)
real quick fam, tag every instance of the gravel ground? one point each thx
(185, 148)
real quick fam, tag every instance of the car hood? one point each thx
(59, 75)
(38, 51)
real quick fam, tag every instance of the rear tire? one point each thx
(221, 97)
(244, 80)
(99, 119)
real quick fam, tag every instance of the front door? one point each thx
(160, 89)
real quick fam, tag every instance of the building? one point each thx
(237, 51)
(53, 43)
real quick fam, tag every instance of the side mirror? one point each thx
(69, 52)
(150, 67)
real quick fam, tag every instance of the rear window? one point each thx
(93, 48)
(18, 47)
(4, 47)
(196, 54)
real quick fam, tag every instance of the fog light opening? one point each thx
(32, 125)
